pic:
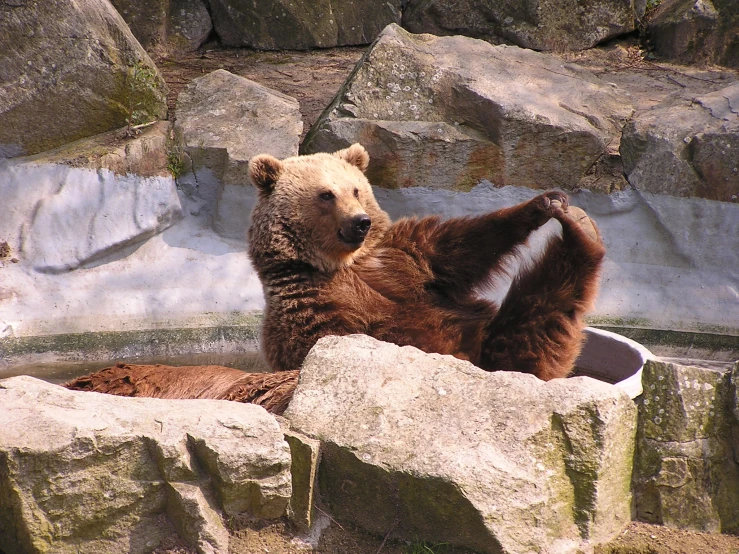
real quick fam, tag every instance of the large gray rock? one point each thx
(189, 24)
(431, 447)
(696, 31)
(288, 25)
(222, 121)
(686, 474)
(90, 473)
(569, 25)
(448, 112)
(686, 147)
(89, 199)
(68, 70)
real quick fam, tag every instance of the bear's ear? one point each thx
(355, 155)
(264, 171)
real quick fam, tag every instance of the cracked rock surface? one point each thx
(91, 473)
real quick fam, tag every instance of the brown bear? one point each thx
(333, 263)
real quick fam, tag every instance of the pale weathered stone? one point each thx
(70, 70)
(283, 24)
(685, 473)
(222, 121)
(686, 147)
(431, 447)
(90, 473)
(696, 31)
(564, 25)
(448, 112)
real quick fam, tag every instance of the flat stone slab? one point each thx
(87, 472)
(433, 448)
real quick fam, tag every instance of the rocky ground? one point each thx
(313, 78)
(256, 537)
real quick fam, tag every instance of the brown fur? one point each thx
(412, 282)
(271, 390)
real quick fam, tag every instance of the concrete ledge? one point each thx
(18, 353)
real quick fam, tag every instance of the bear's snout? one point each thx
(355, 229)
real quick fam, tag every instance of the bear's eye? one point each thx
(356, 193)
(327, 196)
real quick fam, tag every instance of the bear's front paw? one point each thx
(548, 205)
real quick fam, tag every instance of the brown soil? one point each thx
(249, 536)
(313, 78)
(642, 538)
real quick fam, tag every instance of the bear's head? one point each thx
(317, 209)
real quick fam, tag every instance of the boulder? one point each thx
(430, 447)
(448, 112)
(686, 441)
(557, 26)
(696, 31)
(90, 199)
(686, 147)
(180, 25)
(287, 25)
(70, 69)
(189, 25)
(222, 121)
(85, 472)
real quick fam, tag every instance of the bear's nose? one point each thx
(362, 224)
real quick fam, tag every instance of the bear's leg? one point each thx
(538, 328)
(463, 252)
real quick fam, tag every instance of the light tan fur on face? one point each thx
(315, 222)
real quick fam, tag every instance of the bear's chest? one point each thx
(395, 274)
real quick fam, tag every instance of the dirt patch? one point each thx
(250, 536)
(642, 538)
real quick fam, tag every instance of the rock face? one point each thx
(115, 197)
(167, 24)
(686, 147)
(505, 114)
(696, 31)
(436, 449)
(686, 448)
(286, 25)
(70, 70)
(531, 24)
(222, 121)
(83, 472)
